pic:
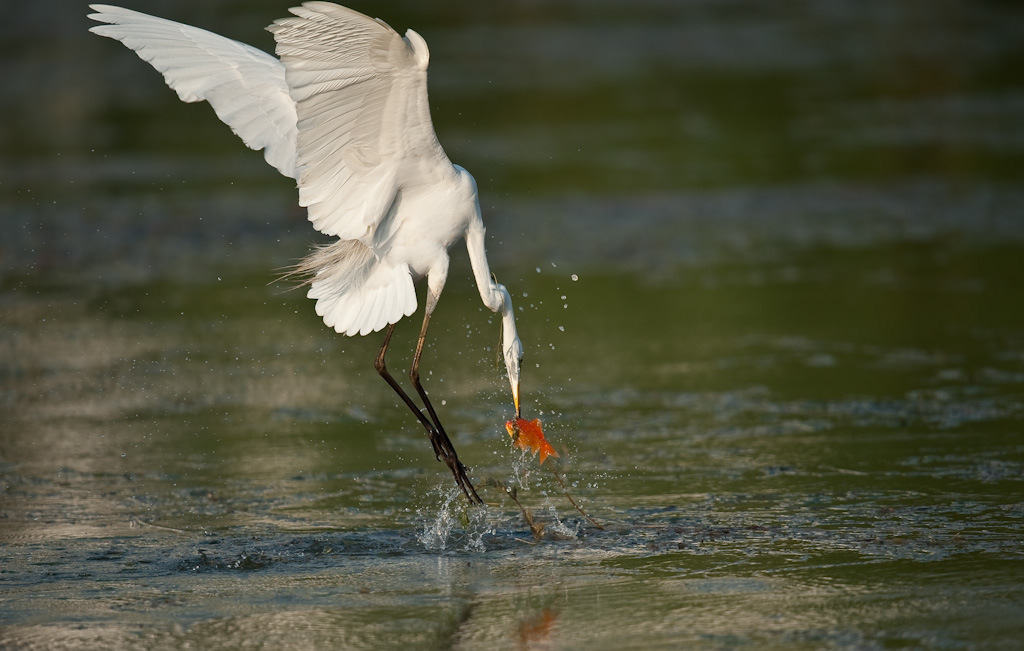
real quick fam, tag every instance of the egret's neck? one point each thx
(493, 294)
(497, 299)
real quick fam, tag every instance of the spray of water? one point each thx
(455, 524)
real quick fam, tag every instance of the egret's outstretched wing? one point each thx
(245, 86)
(364, 129)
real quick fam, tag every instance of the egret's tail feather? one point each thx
(355, 292)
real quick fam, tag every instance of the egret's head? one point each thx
(497, 298)
(512, 349)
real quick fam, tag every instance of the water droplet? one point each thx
(561, 328)
(574, 277)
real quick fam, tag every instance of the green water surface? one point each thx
(766, 261)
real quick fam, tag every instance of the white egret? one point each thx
(344, 112)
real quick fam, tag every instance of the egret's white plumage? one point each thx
(344, 112)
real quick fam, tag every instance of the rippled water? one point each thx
(767, 265)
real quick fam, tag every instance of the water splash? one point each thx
(456, 524)
(556, 529)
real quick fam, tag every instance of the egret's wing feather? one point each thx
(245, 86)
(364, 126)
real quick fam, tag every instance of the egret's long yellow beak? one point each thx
(515, 398)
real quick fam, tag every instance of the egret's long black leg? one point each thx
(448, 450)
(384, 373)
(414, 374)
(438, 439)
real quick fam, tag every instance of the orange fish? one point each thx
(527, 435)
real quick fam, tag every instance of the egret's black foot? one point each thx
(446, 452)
